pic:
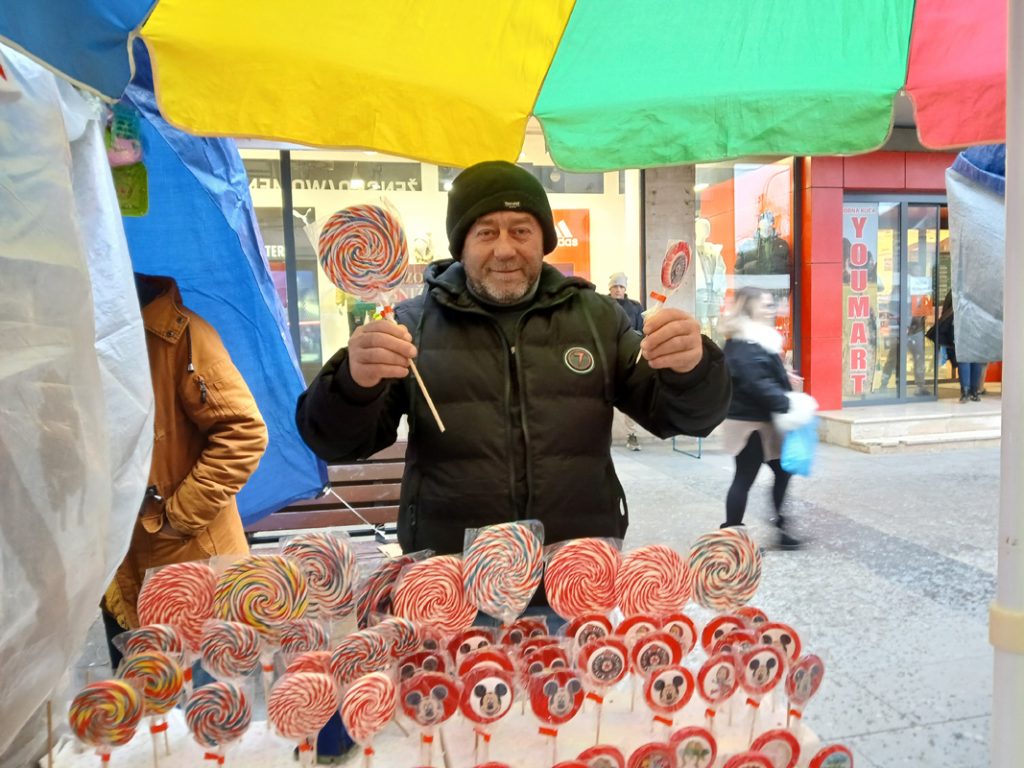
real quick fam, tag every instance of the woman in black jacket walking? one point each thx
(762, 405)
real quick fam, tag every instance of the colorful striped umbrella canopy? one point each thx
(613, 84)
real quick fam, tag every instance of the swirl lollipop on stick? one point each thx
(726, 568)
(300, 705)
(673, 269)
(217, 715)
(105, 715)
(359, 654)
(368, 705)
(502, 568)
(653, 579)
(263, 591)
(152, 637)
(363, 251)
(580, 578)
(374, 595)
(180, 594)
(430, 593)
(230, 650)
(160, 681)
(331, 572)
(302, 635)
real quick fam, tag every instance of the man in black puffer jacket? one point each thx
(525, 367)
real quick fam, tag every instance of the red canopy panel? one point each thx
(956, 76)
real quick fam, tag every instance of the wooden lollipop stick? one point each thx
(426, 395)
(49, 733)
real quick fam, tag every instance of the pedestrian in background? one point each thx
(617, 285)
(763, 406)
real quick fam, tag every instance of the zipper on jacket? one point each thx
(203, 391)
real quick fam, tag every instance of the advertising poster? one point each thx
(572, 256)
(860, 298)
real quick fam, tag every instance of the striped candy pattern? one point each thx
(431, 593)
(580, 578)
(217, 714)
(180, 594)
(502, 569)
(263, 591)
(652, 580)
(331, 572)
(363, 250)
(726, 568)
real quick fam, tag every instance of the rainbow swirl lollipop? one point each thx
(263, 591)
(726, 569)
(180, 594)
(158, 675)
(230, 650)
(331, 572)
(105, 714)
(363, 250)
(217, 714)
(502, 568)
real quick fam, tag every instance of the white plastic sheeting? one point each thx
(977, 244)
(75, 398)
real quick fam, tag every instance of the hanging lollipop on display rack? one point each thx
(364, 252)
(673, 269)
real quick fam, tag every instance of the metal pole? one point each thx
(290, 261)
(1007, 614)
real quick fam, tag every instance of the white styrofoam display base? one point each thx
(515, 739)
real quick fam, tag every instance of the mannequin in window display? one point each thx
(766, 253)
(710, 277)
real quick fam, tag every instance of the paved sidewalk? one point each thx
(892, 590)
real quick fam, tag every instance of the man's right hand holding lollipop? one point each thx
(379, 350)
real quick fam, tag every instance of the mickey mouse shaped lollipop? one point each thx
(428, 699)
(762, 670)
(487, 696)
(667, 691)
(555, 698)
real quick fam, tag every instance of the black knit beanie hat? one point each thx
(496, 186)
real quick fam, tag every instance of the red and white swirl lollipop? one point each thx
(217, 715)
(402, 635)
(430, 593)
(726, 569)
(263, 591)
(180, 594)
(653, 579)
(311, 661)
(154, 637)
(302, 635)
(300, 705)
(331, 572)
(359, 654)
(230, 650)
(502, 568)
(580, 578)
(363, 250)
(374, 595)
(368, 705)
(105, 715)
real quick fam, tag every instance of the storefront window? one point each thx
(596, 216)
(744, 236)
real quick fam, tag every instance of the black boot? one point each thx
(783, 539)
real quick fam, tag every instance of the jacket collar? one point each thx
(763, 335)
(447, 281)
(164, 316)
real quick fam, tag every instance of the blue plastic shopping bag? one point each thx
(798, 447)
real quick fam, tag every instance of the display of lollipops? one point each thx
(368, 705)
(331, 572)
(217, 715)
(105, 714)
(230, 650)
(726, 569)
(580, 577)
(363, 251)
(160, 681)
(180, 594)
(653, 579)
(430, 593)
(502, 568)
(428, 699)
(300, 705)
(673, 269)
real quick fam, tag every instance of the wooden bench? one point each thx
(361, 497)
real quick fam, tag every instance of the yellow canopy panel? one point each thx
(448, 81)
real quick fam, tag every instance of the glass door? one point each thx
(891, 257)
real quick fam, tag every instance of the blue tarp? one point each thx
(201, 230)
(84, 40)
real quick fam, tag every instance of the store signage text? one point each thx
(858, 307)
(409, 185)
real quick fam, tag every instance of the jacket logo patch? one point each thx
(579, 360)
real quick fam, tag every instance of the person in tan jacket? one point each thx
(208, 438)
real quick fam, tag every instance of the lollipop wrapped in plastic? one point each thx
(682, 628)
(230, 650)
(375, 593)
(105, 715)
(468, 641)
(300, 705)
(359, 654)
(263, 591)
(654, 754)
(580, 577)
(653, 579)
(726, 569)
(717, 628)
(180, 594)
(555, 698)
(487, 695)
(783, 637)
(779, 746)
(428, 699)
(217, 715)
(602, 756)
(311, 661)
(301, 636)
(430, 593)
(694, 746)
(654, 651)
(330, 567)
(152, 637)
(368, 705)
(802, 682)
(159, 679)
(502, 568)
(402, 635)
(717, 680)
(587, 627)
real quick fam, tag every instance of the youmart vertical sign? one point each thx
(860, 236)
